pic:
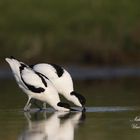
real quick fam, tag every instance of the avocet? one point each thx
(36, 86)
(62, 81)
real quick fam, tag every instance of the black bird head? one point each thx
(66, 105)
(80, 97)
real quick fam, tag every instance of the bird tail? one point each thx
(14, 65)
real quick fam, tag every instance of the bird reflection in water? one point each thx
(58, 126)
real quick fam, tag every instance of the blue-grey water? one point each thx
(81, 73)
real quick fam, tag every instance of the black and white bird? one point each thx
(36, 86)
(62, 81)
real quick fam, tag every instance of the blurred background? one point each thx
(85, 32)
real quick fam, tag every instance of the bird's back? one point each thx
(46, 69)
(57, 75)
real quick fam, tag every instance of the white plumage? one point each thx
(35, 85)
(62, 80)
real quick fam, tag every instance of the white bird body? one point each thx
(14, 64)
(62, 81)
(35, 85)
(63, 84)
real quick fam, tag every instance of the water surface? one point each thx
(113, 110)
(100, 125)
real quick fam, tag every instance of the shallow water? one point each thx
(100, 125)
(112, 112)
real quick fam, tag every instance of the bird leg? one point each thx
(27, 105)
(44, 106)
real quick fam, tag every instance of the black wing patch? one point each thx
(81, 98)
(59, 69)
(30, 87)
(34, 89)
(41, 77)
(32, 67)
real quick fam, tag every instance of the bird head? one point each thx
(79, 99)
(64, 107)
